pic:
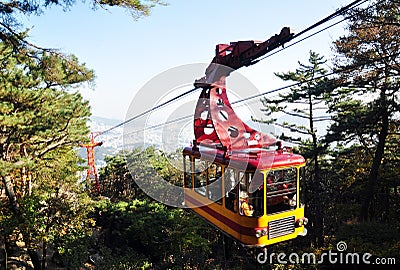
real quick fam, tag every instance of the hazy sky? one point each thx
(125, 53)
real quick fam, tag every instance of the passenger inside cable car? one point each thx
(246, 208)
(281, 190)
(280, 194)
(250, 192)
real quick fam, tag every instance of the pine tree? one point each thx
(366, 104)
(41, 122)
(11, 10)
(305, 106)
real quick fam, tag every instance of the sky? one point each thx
(126, 53)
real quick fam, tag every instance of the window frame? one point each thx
(188, 174)
(217, 180)
(199, 177)
(231, 204)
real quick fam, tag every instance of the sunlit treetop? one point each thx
(10, 13)
(8, 9)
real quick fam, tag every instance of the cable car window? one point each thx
(302, 180)
(251, 194)
(257, 193)
(231, 188)
(200, 176)
(215, 183)
(188, 171)
(281, 190)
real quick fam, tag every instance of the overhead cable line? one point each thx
(330, 17)
(233, 103)
(151, 109)
(265, 93)
(326, 19)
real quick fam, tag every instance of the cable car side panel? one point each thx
(245, 229)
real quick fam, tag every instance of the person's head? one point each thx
(270, 178)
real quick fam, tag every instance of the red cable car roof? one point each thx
(248, 159)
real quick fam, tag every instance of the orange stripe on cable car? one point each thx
(230, 223)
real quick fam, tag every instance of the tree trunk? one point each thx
(316, 186)
(44, 266)
(35, 258)
(376, 163)
(3, 251)
(11, 194)
(14, 205)
(318, 199)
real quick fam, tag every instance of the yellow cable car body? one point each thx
(275, 220)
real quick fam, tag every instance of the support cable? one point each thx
(324, 20)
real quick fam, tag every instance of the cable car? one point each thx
(257, 205)
(241, 180)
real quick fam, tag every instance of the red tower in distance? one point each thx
(91, 170)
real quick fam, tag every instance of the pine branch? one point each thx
(292, 128)
(19, 37)
(295, 114)
(53, 146)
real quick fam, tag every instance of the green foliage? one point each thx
(364, 103)
(305, 106)
(129, 260)
(379, 239)
(41, 125)
(152, 232)
(116, 180)
(10, 11)
(137, 8)
(118, 176)
(306, 95)
(38, 117)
